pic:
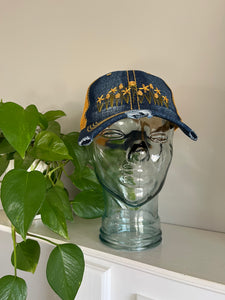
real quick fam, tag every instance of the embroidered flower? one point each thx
(125, 91)
(107, 96)
(121, 86)
(165, 99)
(156, 95)
(139, 93)
(157, 91)
(100, 99)
(117, 96)
(113, 90)
(145, 88)
(132, 83)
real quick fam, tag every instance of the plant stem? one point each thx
(52, 182)
(58, 167)
(41, 238)
(14, 247)
(64, 171)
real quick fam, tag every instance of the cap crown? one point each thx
(127, 94)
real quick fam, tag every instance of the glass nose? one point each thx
(138, 152)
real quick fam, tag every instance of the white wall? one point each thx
(51, 50)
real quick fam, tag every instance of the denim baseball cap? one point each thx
(127, 94)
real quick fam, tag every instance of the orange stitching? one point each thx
(138, 100)
(96, 124)
(124, 94)
(129, 91)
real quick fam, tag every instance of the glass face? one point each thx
(131, 158)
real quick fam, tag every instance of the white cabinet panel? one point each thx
(171, 271)
(96, 283)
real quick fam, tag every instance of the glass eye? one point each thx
(112, 134)
(158, 137)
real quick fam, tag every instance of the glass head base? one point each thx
(129, 241)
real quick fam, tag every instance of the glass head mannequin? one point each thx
(131, 159)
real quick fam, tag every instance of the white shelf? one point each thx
(187, 255)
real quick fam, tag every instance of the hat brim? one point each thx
(87, 135)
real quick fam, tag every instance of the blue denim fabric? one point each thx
(128, 94)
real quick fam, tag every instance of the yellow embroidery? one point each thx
(126, 98)
(96, 124)
(100, 106)
(138, 100)
(106, 104)
(117, 100)
(145, 88)
(147, 97)
(128, 80)
(132, 83)
(111, 101)
(126, 91)
(139, 93)
(165, 99)
(157, 91)
(113, 90)
(156, 101)
(117, 95)
(100, 99)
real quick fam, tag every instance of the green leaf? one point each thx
(49, 147)
(85, 179)
(65, 270)
(12, 287)
(22, 194)
(5, 147)
(89, 204)
(79, 154)
(54, 114)
(59, 183)
(54, 209)
(4, 162)
(54, 126)
(27, 255)
(66, 205)
(43, 122)
(61, 198)
(20, 163)
(18, 125)
(48, 183)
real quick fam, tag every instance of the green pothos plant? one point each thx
(39, 153)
